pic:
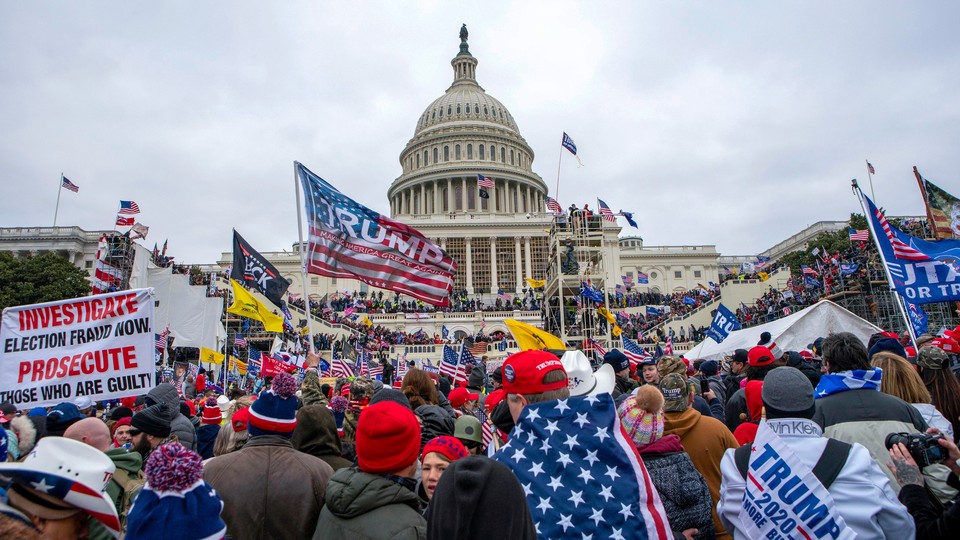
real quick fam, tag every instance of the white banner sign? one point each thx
(98, 346)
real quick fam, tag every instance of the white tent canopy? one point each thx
(791, 333)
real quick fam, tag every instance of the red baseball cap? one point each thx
(493, 398)
(760, 356)
(458, 396)
(523, 372)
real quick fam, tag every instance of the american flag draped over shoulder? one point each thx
(581, 474)
(351, 241)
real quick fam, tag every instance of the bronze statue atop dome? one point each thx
(463, 33)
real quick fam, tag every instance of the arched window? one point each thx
(441, 112)
(485, 110)
(434, 115)
(481, 151)
(418, 160)
(469, 151)
(476, 108)
(425, 160)
(449, 110)
(456, 152)
(446, 153)
(503, 155)
(493, 153)
(458, 108)
(511, 156)
(436, 155)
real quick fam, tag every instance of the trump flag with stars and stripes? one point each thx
(582, 476)
(349, 240)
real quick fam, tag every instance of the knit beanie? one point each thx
(211, 413)
(176, 502)
(709, 368)
(153, 420)
(889, 345)
(787, 393)
(390, 394)
(388, 438)
(641, 415)
(617, 359)
(449, 447)
(120, 412)
(275, 410)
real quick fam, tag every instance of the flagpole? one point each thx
(870, 177)
(303, 260)
(886, 270)
(57, 208)
(559, 162)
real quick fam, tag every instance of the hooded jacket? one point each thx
(366, 506)
(131, 463)
(180, 425)
(706, 439)
(316, 434)
(436, 422)
(746, 432)
(683, 491)
(206, 437)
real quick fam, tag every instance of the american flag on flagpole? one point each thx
(809, 271)
(484, 181)
(341, 368)
(66, 183)
(239, 341)
(485, 426)
(859, 235)
(129, 207)
(870, 168)
(900, 249)
(634, 352)
(452, 365)
(162, 339)
(553, 205)
(606, 212)
(478, 348)
(402, 367)
(598, 349)
(668, 346)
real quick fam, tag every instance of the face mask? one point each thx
(501, 417)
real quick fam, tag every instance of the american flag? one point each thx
(253, 361)
(401, 367)
(576, 480)
(859, 235)
(870, 168)
(129, 207)
(478, 348)
(452, 365)
(634, 352)
(341, 368)
(505, 296)
(375, 369)
(162, 339)
(66, 183)
(807, 270)
(642, 278)
(239, 341)
(553, 205)
(598, 349)
(106, 277)
(386, 253)
(900, 249)
(668, 346)
(606, 212)
(485, 426)
(484, 182)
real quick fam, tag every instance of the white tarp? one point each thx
(791, 333)
(193, 318)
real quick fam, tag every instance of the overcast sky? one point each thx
(727, 123)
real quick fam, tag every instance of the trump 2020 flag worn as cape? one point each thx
(251, 269)
(245, 305)
(349, 240)
(583, 478)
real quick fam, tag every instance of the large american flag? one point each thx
(606, 212)
(66, 183)
(900, 249)
(478, 348)
(129, 207)
(582, 476)
(341, 368)
(484, 182)
(453, 365)
(349, 240)
(553, 205)
(634, 352)
(859, 235)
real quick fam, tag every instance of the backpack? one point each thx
(130, 487)
(827, 468)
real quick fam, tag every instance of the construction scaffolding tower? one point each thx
(878, 305)
(117, 255)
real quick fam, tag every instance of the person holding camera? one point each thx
(930, 521)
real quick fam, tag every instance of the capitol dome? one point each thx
(462, 134)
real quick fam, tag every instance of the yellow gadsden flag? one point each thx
(605, 313)
(210, 356)
(245, 305)
(530, 337)
(536, 283)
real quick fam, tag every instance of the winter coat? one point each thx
(316, 434)
(367, 507)
(731, 384)
(180, 425)
(861, 492)
(128, 461)
(206, 436)
(624, 385)
(436, 422)
(705, 439)
(269, 490)
(311, 392)
(933, 418)
(683, 491)
(932, 524)
(716, 385)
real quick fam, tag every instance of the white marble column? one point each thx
(529, 259)
(463, 194)
(436, 197)
(493, 265)
(450, 206)
(516, 263)
(468, 249)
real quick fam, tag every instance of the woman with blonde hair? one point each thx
(900, 379)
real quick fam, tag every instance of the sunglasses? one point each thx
(134, 432)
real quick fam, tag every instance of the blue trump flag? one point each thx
(653, 312)
(723, 323)
(847, 269)
(921, 271)
(918, 318)
(590, 294)
(689, 301)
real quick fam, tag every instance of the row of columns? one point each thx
(526, 271)
(510, 195)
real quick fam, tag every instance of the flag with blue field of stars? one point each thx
(582, 477)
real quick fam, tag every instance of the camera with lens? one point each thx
(923, 447)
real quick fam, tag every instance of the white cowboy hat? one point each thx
(582, 380)
(69, 471)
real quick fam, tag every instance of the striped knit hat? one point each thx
(275, 410)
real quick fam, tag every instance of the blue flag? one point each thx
(444, 332)
(918, 318)
(689, 301)
(569, 144)
(629, 217)
(723, 323)
(653, 312)
(810, 282)
(922, 271)
(847, 269)
(642, 278)
(590, 293)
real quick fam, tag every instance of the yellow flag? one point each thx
(366, 320)
(617, 331)
(305, 331)
(530, 337)
(210, 356)
(241, 367)
(536, 283)
(763, 276)
(245, 305)
(605, 313)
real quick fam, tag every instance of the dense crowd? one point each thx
(524, 449)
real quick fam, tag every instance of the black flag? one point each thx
(484, 194)
(251, 269)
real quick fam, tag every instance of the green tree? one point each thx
(831, 242)
(39, 278)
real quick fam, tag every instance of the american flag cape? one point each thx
(581, 474)
(349, 240)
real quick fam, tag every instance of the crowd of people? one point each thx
(544, 445)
